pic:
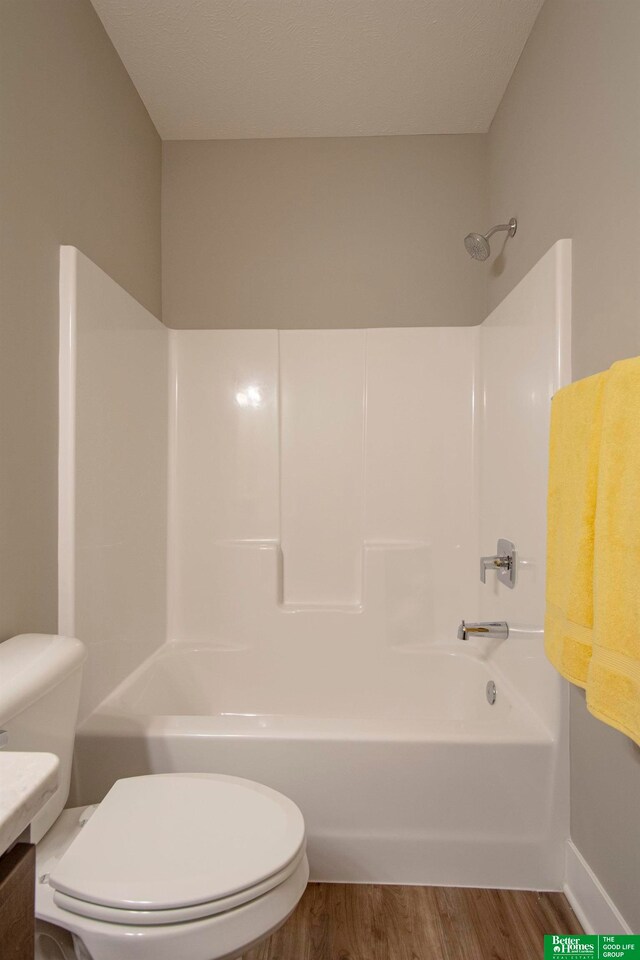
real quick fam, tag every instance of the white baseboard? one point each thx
(591, 903)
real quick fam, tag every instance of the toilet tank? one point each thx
(40, 678)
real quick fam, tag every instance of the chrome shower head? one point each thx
(477, 244)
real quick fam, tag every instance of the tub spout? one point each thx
(493, 630)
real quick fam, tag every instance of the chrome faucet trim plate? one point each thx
(503, 562)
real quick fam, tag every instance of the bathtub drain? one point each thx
(491, 692)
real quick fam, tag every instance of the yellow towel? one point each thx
(576, 415)
(613, 681)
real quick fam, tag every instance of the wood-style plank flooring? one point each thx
(367, 922)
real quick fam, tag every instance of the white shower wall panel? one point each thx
(225, 447)
(304, 463)
(112, 475)
(524, 359)
(322, 416)
(223, 472)
(420, 461)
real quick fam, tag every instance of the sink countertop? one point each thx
(27, 781)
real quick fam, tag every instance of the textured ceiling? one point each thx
(224, 69)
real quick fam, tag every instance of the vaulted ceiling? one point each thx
(224, 69)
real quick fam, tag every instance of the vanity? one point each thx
(27, 781)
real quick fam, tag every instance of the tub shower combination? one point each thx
(270, 543)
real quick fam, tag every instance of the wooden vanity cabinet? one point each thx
(17, 902)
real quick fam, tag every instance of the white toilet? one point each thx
(187, 866)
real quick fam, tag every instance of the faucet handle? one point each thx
(504, 562)
(491, 563)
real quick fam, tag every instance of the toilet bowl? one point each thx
(170, 867)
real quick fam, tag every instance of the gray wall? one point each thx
(353, 232)
(80, 163)
(565, 159)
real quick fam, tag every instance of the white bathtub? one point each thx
(404, 772)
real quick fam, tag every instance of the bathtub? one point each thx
(404, 771)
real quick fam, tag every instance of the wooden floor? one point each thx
(353, 922)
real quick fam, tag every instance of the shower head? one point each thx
(477, 244)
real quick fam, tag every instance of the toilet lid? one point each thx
(197, 911)
(174, 840)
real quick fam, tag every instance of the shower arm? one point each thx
(509, 227)
(501, 226)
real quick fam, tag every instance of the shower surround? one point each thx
(308, 469)
(329, 495)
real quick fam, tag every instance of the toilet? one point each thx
(179, 866)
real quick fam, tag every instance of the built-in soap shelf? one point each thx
(397, 594)
(343, 608)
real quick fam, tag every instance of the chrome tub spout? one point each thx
(493, 630)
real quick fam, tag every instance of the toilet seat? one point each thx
(223, 937)
(144, 918)
(169, 848)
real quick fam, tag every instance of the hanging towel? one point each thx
(576, 416)
(613, 681)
